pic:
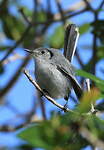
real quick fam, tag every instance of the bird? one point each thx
(54, 73)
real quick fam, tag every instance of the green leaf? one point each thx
(87, 99)
(100, 52)
(27, 42)
(27, 12)
(36, 136)
(4, 47)
(99, 83)
(12, 26)
(39, 15)
(84, 28)
(56, 40)
(96, 126)
(58, 133)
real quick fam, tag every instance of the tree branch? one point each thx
(101, 4)
(43, 93)
(54, 19)
(23, 36)
(14, 78)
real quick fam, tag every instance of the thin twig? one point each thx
(24, 16)
(14, 78)
(61, 11)
(23, 36)
(42, 105)
(101, 4)
(14, 57)
(94, 46)
(79, 59)
(43, 93)
(72, 8)
(49, 8)
(88, 5)
(93, 110)
(35, 14)
(9, 128)
(54, 19)
(91, 138)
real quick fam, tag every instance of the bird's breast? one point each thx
(52, 80)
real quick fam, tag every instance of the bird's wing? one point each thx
(76, 86)
(67, 70)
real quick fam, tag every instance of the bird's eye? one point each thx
(42, 52)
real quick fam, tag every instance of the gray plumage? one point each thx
(48, 76)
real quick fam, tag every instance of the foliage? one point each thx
(56, 40)
(84, 28)
(98, 29)
(22, 27)
(65, 132)
(99, 83)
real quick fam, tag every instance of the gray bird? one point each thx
(53, 70)
(54, 73)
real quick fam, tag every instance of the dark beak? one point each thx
(29, 51)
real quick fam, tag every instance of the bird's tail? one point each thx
(70, 43)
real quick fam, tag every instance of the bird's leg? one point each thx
(66, 104)
(45, 91)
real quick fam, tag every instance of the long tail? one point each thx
(70, 43)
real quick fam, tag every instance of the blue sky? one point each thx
(21, 95)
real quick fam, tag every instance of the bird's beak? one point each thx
(29, 51)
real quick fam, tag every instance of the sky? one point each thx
(21, 95)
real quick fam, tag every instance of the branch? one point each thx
(9, 128)
(43, 93)
(12, 58)
(79, 59)
(14, 78)
(23, 36)
(93, 110)
(101, 5)
(73, 7)
(42, 106)
(91, 138)
(24, 16)
(49, 8)
(61, 11)
(54, 19)
(88, 5)
(94, 48)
